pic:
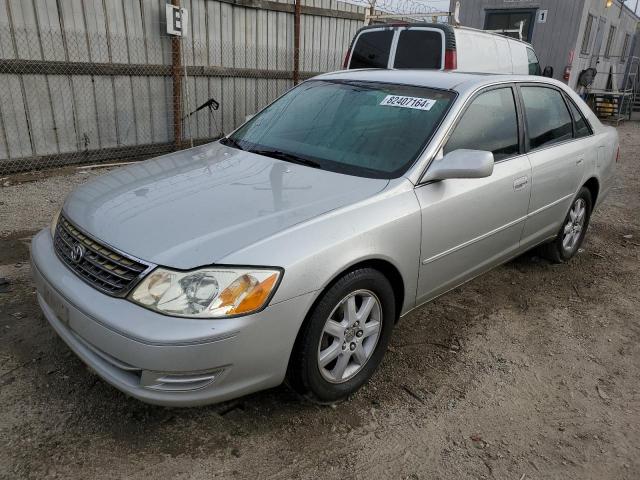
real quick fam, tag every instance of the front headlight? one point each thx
(207, 292)
(54, 223)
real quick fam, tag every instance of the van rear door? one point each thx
(420, 47)
(372, 48)
(398, 47)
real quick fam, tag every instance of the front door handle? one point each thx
(580, 161)
(520, 183)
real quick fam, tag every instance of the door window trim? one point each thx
(518, 116)
(570, 102)
(460, 114)
(527, 142)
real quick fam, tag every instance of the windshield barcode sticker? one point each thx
(408, 102)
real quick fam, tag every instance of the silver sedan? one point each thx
(290, 248)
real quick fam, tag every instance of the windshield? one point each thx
(359, 128)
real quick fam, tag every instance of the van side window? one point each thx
(490, 123)
(580, 123)
(534, 64)
(419, 49)
(372, 49)
(548, 120)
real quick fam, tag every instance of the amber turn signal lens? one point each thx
(256, 296)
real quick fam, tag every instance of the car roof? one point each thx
(443, 80)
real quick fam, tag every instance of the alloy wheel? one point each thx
(350, 336)
(574, 226)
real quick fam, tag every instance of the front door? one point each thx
(470, 225)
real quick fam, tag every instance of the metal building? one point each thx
(568, 35)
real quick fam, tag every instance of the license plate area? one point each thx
(57, 304)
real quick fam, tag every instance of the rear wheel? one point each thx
(344, 339)
(573, 230)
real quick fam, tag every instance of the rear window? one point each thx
(372, 49)
(419, 49)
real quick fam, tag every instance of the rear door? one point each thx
(557, 159)
(419, 47)
(372, 48)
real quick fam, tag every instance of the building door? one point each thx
(506, 21)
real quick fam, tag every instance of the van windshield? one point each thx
(368, 129)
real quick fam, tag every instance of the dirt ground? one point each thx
(531, 371)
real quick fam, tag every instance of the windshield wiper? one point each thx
(287, 157)
(230, 142)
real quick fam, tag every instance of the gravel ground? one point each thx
(531, 371)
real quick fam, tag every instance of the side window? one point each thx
(534, 64)
(419, 49)
(490, 123)
(581, 126)
(372, 49)
(548, 120)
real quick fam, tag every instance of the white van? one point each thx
(440, 47)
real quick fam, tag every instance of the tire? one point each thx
(557, 251)
(330, 383)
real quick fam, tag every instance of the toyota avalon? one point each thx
(289, 249)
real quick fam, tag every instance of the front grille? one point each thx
(101, 267)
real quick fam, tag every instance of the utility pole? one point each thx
(372, 11)
(176, 65)
(296, 43)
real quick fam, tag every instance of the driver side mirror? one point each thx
(461, 164)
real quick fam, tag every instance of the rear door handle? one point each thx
(520, 183)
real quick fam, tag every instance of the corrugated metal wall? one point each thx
(89, 80)
(625, 23)
(563, 32)
(552, 40)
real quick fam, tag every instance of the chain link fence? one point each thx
(93, 81)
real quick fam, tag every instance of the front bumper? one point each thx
(160, 359)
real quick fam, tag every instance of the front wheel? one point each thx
(573, 230)
(344, 339)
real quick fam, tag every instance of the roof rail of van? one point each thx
(450, 38)
(489, 32)
(449, 35)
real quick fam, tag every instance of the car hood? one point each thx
(194, 207)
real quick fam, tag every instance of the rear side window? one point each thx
(534, 64)
(548, 120)
(490, 123)
(581, 126)
(419, 49)
(372, 49)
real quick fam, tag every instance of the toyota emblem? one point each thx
(77, 253)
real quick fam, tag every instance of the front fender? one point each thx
(385, 227)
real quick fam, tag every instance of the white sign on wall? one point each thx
(542, 16)
(177, 20)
